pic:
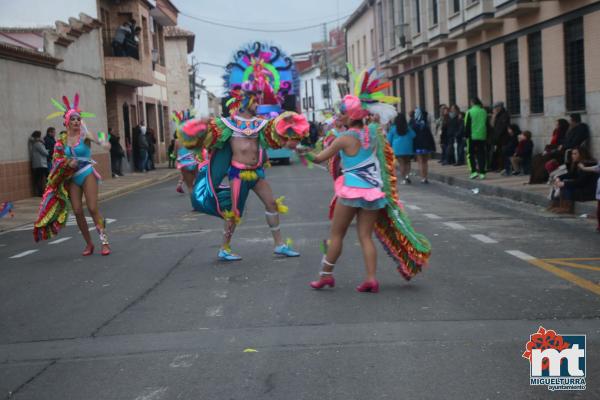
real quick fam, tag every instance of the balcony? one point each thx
(476, 17)
(515, 8)
(127, 71)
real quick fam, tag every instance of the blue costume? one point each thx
(85, 165)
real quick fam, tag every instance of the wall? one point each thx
(178, 84)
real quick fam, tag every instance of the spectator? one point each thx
(401, 138)
(39, 162)
(116, 153)
(441, 130)
(576, 184)
(577, 136)
(424, 143)
(49, 142)
(118, 42)
(539, 173)
(499, 135)
(521, 159)
(171, 156)
(456, 133)
(476, 134)
(508, 150)
(151, 148)
(142, 148)
(595, 169)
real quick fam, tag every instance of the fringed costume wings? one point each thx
(54, 208)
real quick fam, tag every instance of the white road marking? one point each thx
(221, 294)
(215, 311)
(161, 235)
(520, 255)
(60, 240)
(432, 216)
(70, 222)
(221, 279)
(152, 394)
(484, 238)
(25, 253)
(455, 225)
(413, 207)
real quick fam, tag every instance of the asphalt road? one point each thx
(161, 318)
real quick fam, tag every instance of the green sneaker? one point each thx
(473, 175)
(481, 176)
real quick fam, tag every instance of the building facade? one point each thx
(136, 81)
(37, 64)
(178, 44)
(537, 57)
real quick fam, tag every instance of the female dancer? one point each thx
(188, 159)
(367, 189)
(73, 175)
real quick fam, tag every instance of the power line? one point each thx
(262, 30)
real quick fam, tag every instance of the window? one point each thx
(352, 59)
(513, 91)
(402, 96)
(417, 15)
(392, 23)
(434, 12)
(358, 53)
(536, 76)
(421, 77)
(455, 6)
(372, 44)
(436, 91)
(365, 49)
(472, 75)
(574, 65)
(451, 83)
(380, 23)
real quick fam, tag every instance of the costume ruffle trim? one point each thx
(348, 192)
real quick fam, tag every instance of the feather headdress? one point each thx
(66, 109)
(368, 96)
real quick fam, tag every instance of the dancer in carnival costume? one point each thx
(237, 149)
(189, 153)
(365, 187)
(72, 175)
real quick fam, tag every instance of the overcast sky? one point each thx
(213, 44)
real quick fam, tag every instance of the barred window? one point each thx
(402, 96)
(536, 76)
(455, 6)
(513, 90)
(434, 12)
(574, 65)
(421, 78)
(392, 20)
(380, 23)
(436, 91)
(417, 10)
(472, 75)
(451, 83)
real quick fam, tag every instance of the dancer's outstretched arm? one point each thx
(341, 143)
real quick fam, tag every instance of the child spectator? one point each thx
(521, 160)
(508, 150)
(401, 137)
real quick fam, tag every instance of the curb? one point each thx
(512, 194)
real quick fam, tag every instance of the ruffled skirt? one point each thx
(366, 198)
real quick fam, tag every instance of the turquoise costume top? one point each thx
(85, 165)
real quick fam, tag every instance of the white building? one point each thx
(315, 99)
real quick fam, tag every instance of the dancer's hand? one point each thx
(292, 144)
(72, 163)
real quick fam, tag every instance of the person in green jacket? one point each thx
(476, 133)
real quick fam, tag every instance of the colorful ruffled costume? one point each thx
(368, 180)
(55, 205)
(190, 157)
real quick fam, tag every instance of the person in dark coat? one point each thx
(577, 184)
(508, 150)
(116, 153)
(577, 137)
(49, 142)
(499, 135)
(424, 143)
(521, 160)
(135, 146)
(455, 135)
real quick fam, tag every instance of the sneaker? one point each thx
(228, 255)
(404, 182)
(407, 179)
(424, 181)
(285, 250)
(481, 176)
(179, 188)
(473, 175)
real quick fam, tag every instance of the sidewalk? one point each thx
(25, 211)
(512, 187)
